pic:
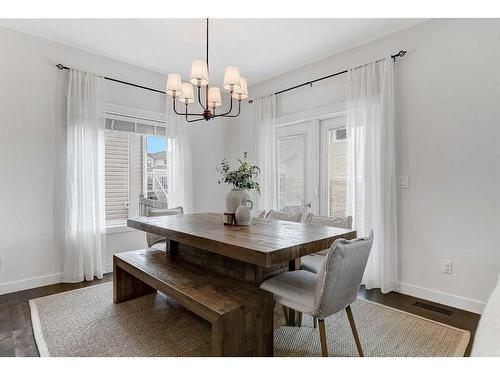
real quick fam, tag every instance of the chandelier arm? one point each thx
(198, 119)
(228, 115)
(186, 113)
(175, 110)
(199, 98)
(230, 107)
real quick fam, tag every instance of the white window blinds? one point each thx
(116, 177)
(137, 126)
(291, 166)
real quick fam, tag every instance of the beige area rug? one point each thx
(85, 322)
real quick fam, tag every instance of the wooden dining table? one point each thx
(248, 253)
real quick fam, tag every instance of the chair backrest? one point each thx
(260, 214)
(286, 216)
(332, 221)
(151, 238)
(297, 209)
(147, 204)
(341, 274)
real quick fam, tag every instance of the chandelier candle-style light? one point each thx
(184, 91)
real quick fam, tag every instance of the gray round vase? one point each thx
(236, 197)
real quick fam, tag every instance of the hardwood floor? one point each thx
(17, 340)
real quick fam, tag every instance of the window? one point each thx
(116, 170)
(337, 172)
(291, 169)
(156, 172)
(135, 166)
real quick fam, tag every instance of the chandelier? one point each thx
(183, 91)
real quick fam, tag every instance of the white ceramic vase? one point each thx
(235, 198)
(243, 213)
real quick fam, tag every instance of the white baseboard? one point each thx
(108, 268)
(36, 282)
(33, 282)
(442, 298)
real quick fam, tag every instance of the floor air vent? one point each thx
(433, 308)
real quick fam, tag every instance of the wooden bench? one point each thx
(241, 314)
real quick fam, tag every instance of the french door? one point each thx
(311, 166)
(296, 167)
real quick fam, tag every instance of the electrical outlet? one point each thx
(446, 266)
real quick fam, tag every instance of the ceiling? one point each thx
(261, 48)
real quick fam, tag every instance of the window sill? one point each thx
(119, 229)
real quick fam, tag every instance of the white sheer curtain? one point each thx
(371, 187)
(264, 116)
(85, 218)
(179, 168)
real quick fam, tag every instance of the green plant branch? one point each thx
(241, 178)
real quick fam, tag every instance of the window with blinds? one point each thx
(135, 166)
(116, 170)
(337, 172)
(291, 171)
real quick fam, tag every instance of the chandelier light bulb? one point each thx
(199, 73)
(214, 97)
(187, 96)
(231, 78)
(174, 85)
(242, 92)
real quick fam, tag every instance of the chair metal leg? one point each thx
(322, 337)
(354, 330)
(315, 322)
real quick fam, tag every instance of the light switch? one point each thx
(402, 182)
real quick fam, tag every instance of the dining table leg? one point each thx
(171, 247)
(292, 318)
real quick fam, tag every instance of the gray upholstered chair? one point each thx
(159, 242)
(335, 287)
(312, 263)
(285, 216)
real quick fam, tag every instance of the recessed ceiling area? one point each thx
(261, 48)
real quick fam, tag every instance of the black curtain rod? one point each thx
(399, 54)
(62, 67)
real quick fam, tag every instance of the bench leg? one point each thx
(229, 335)
(243, 333)
(127, 286)
(264, 330)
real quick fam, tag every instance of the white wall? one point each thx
(210, 144)
(448, 142)
(32, 152)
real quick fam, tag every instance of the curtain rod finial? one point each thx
(60, 66)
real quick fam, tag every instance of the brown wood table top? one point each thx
(264, 243)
